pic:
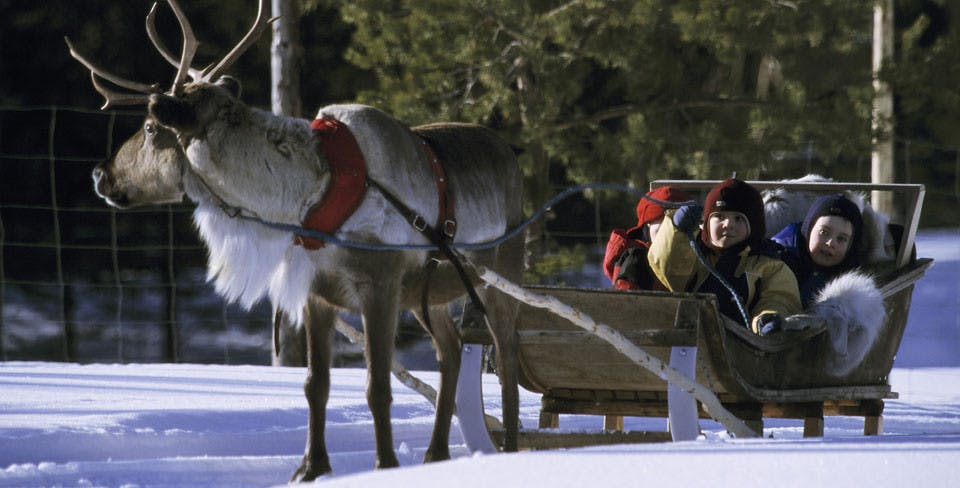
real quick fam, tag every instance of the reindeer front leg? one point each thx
(319, 320)
(379, 326)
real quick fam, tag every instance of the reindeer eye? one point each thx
(150, 128)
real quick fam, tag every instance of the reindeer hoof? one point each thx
(432, 456)
(308, 472)
(387, 462)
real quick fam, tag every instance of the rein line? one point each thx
(240, 213)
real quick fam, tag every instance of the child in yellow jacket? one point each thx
(731, 238)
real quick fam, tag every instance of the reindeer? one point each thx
(200, 141)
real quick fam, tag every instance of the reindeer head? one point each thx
(147, 170)
(148, 167)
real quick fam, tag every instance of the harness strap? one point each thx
(446, 214)
(438, 240)
(348, 181)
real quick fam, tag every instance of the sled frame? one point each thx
(689, 342)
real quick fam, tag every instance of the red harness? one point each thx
(348, 184)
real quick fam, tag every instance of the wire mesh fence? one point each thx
(82, 281)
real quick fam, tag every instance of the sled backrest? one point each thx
(911, 194)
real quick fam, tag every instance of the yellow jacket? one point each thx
(771, 286)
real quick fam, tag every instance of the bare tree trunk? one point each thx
(882, 123)
(286, 62)
(286, 59)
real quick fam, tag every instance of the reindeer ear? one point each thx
(231, 84)
(172, 112)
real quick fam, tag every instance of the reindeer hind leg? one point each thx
(446, 340)
(501, 322)
(380, 323)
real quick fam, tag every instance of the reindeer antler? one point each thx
(189, 48)
(183, 65)
(161, 47)
(256, 30)
(111, 97)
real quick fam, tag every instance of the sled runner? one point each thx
(785, 375)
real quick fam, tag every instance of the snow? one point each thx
(209, 425)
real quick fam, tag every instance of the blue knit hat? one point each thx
(837, 205)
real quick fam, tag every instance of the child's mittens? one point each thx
(687, 218)
(768, 323)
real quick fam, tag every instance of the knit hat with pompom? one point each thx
(733, 195)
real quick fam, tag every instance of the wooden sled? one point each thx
(779, 376)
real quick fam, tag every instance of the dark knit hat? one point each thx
(649, 210)
(733, 195)
(841, 207)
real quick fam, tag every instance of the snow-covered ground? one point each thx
(202, 425)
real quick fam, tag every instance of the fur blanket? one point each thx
(853, 309)
(851, 304)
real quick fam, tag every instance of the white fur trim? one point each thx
(852, 306)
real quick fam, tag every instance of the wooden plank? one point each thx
(853, 392)
(906, 278)
(548, 420)
(613, 423)
(873, 425)
(655, 338)
(793, 410)
(813, 426)
(913, 204)
(857, 408)
(533, 439)
(613, 407)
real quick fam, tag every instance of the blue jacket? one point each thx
(810, 277)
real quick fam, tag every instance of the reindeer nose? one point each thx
(101, 180)
(97, 173)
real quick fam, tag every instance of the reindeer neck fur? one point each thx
(265, 165)
(258, 161)
(247, 260)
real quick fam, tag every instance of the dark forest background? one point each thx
(585, 91)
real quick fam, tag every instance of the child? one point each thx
(731, 239)
(625, 261)
(824, 245)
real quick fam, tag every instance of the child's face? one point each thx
(653, 227)
(727, 229)
(830, 239)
